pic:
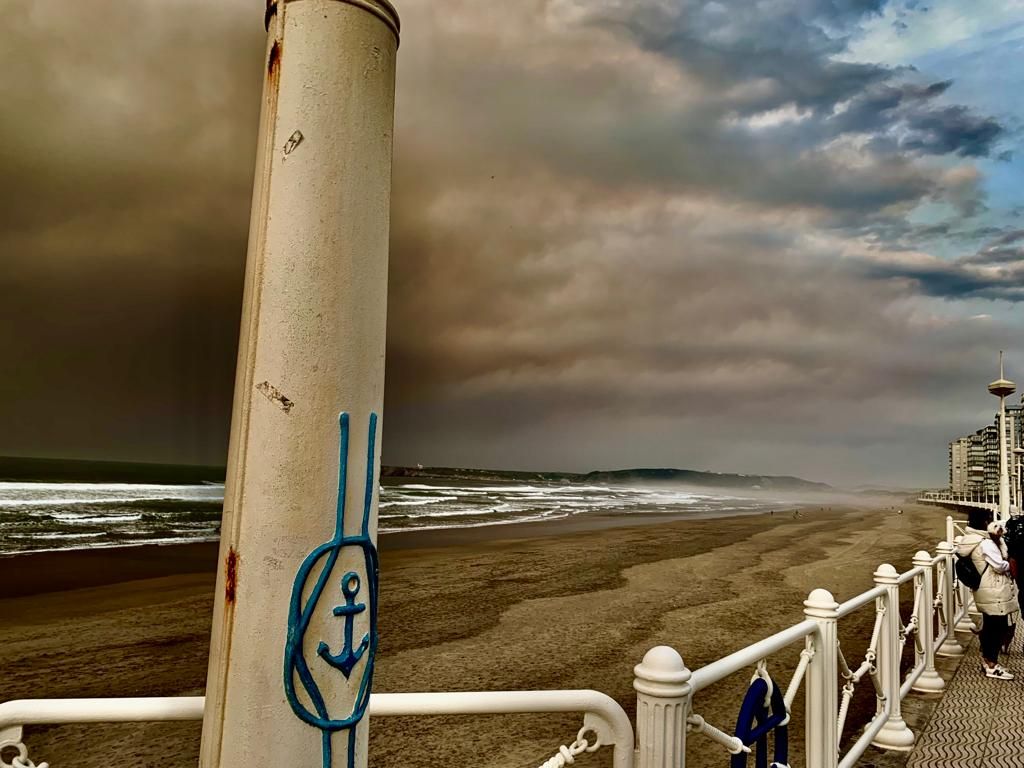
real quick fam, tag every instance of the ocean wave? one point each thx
(507, 521)
(66, 517)
(491, 511)
(417, 502)
(62, 535)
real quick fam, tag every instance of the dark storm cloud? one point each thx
(957, 282)
(994, 272)
(775, 56)
(736, 65)
(905, 117)
(732, 41)
(951, 130)
(1007, 238)
(623, 232)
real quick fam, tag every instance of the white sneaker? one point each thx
(998, 671)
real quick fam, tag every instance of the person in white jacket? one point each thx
(996, 596)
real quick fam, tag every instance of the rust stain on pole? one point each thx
(231, 576)
(274, 60)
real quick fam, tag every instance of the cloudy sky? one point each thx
(781, 237)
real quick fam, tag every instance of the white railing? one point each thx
(602, 715)
(932, 623)
(668, 692)
(987, 501)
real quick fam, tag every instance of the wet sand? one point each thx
(558, 610)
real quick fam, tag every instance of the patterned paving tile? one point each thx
(980, 721)
(953, 737)
(947, 756)
(1008, 757)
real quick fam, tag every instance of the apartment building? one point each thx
(974, 459)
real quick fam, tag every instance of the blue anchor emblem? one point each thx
(318, 567)
(347, 658)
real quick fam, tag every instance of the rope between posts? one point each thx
(941, 609)
(911, 627)
(844, 668)
(867, 667)
(20, 760)
(567, 754)
(873, 646)
(700, 725)
(798, 675)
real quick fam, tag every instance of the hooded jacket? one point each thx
(997, 594)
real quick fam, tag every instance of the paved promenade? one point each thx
(980, 721)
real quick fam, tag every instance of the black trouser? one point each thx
(993, 633)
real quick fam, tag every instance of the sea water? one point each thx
(49, 516)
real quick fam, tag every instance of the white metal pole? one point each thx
(294, 627)
(1004, 465)
(663, 695)
(929, 681)
(1020, 485)
(822, 683)
(950, 646)
(1015, 482)
(895, 734)
(1019, 455)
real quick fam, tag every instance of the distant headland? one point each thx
(77, 470)
(618, 476)
(17, 468)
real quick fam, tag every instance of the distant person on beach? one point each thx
(996, 595)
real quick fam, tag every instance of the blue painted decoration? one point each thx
(755, 722)
(319, 566)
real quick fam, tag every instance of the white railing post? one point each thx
(663, 695)
(950, 532)
(822, 682)
(929, 681)
(894, 734)
(950, 645)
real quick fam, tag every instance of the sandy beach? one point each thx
(550, 608)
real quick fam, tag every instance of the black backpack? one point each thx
(967, 573)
